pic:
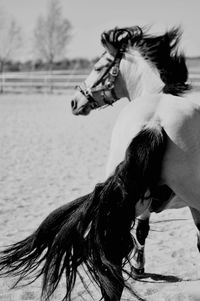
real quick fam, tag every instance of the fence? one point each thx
(41, 81)
(56, 81)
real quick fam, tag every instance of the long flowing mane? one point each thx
(161, 50)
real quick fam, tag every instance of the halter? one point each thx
(105, 84)
(120, 38)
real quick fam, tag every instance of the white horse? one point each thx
(150, 72)
(154, 159)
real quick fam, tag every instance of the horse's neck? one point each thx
(140, 76)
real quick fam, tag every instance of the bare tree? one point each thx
(52, 33)
(10, 42)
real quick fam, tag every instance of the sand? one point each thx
(49, 157)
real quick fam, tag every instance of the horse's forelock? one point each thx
(121, 36)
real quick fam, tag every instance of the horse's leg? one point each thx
(160, 198)
(196, 218)
(141, 230)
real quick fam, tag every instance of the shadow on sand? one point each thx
(159, 278)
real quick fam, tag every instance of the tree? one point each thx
(10, 41)
(51, 34)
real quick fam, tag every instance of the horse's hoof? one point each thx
(137, 273)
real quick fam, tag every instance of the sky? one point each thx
(91, 17)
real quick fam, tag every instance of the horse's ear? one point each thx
(128, 34)
(123, 36)
(136, 32)
(114, 38)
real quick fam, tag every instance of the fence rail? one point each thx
(54, 82)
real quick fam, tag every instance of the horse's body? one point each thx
(180, 118)
(154, 158)
(155, 83)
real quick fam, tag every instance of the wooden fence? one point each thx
(56, 82)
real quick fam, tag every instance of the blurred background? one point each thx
(49, 46)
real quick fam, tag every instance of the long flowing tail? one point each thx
(93, 230)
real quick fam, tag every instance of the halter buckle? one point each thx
(114, 71)
(109, 85)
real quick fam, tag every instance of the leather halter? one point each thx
(104, 85)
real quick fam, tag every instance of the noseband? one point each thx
(104, 85)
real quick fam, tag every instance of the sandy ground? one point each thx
(49, 157)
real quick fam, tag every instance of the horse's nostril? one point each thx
(74, 104)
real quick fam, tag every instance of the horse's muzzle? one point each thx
(82, 110)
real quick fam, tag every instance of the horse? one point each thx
(151, 65)
(154, 155)
(159, 67)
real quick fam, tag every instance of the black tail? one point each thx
(93, 230)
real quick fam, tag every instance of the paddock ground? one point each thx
(49, 157)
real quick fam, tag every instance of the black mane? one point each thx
(161, 50)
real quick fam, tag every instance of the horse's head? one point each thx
(105, 83)
(134, 63)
